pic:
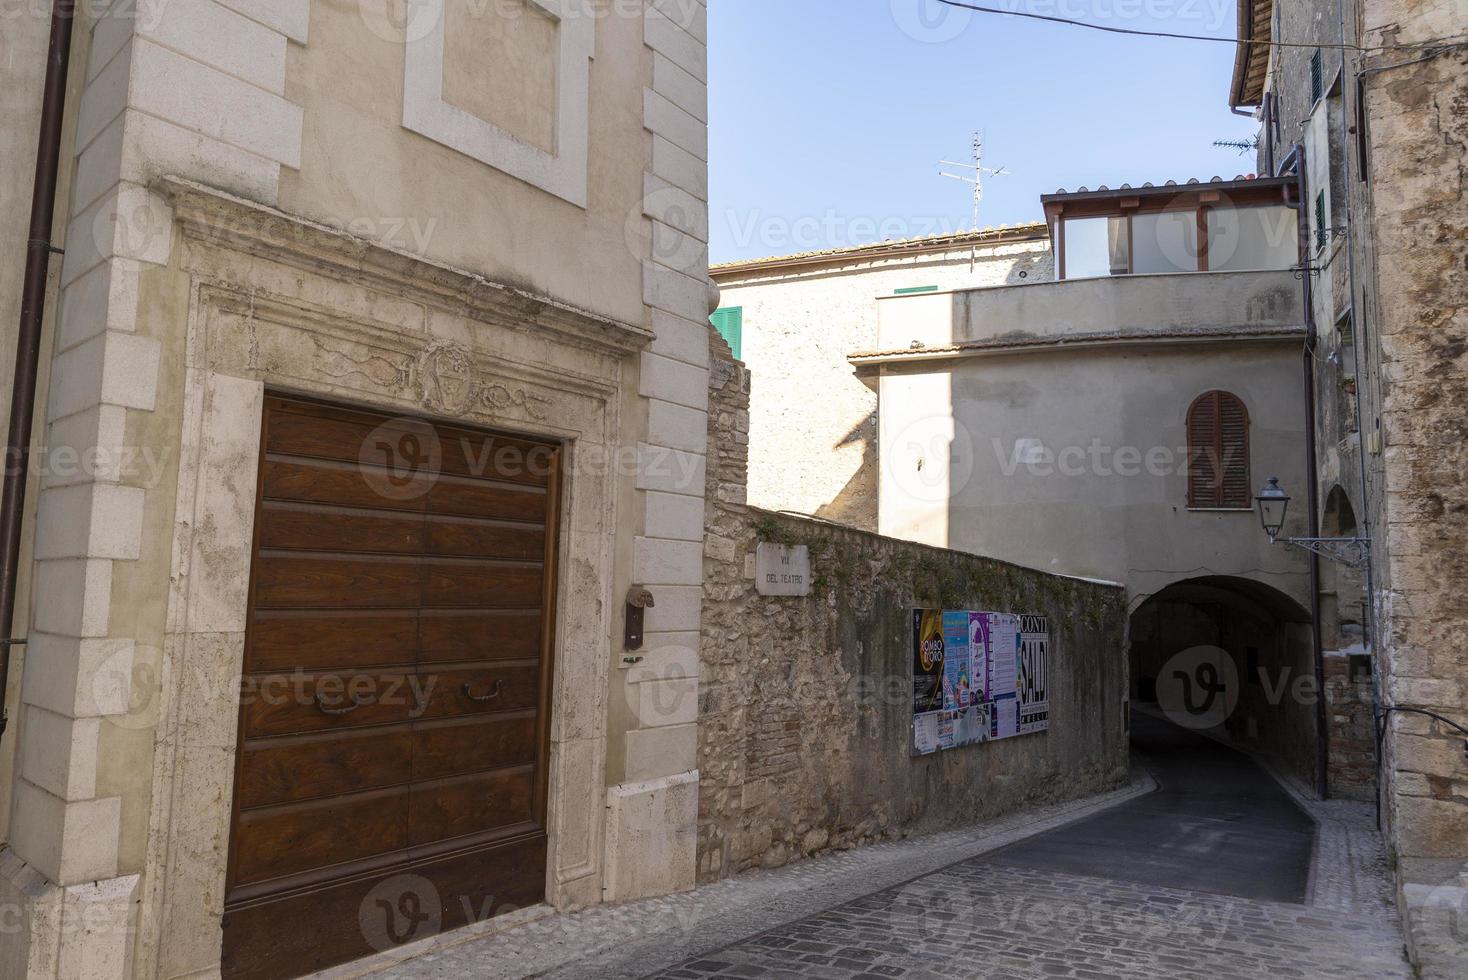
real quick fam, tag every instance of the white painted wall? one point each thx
(1071, 460)
(812, 426)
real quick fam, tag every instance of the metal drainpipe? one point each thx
(1296, 159)
(28, 341)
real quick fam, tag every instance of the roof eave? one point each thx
(1033, 231)
(1254, 40)
(1257, 184)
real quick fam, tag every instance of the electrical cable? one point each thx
(1462, 39)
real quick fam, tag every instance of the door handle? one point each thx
(357, 702)
(494, 692)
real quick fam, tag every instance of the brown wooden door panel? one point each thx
(360, 440)
(315, 640)
(289, 704)
(316, 527)
(289, 770)
(460, 746)
(479, 690)
(467, 805)
(503, 459)
(341, 484)
(485, 539)
(509, 634)
(277, 841)
(335, 582)
(450, 495)
(311, 929)
(394, 720)
(481, 584)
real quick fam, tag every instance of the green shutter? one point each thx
(909, 290)
(729, 322)
(1317, 76)
(1322, 233)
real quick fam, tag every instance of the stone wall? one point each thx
(1417, 126)
(805, 703)
(1392, 396)
(1419, 121)
(1351, 766)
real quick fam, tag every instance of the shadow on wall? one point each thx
(856, 504)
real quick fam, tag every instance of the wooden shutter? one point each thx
(729, 322)
(1218, 452)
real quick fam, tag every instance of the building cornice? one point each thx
(212, 217)
(1115, 338)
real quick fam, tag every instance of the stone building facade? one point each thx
(813, 423)
(1375, 92)
(285, 223)
(805, 713)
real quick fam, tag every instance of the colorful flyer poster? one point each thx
(978, 654)
(927, 661)
(978, 676)
(958, 691)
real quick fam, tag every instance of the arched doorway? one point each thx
(1234, 658)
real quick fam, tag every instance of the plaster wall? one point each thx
(1073, 461)
(1179, 303)
(360, 166)
(812, 421)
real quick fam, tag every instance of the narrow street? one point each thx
(1217, 824)
(1208, 875)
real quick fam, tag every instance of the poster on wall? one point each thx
(977, 677)
(1003, 689)
(1033, 682)
(927, 661)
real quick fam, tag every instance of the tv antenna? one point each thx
(979, 173)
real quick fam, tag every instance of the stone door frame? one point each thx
(280, 302)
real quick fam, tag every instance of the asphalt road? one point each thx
(1218, 823)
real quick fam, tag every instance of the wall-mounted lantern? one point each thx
(1274, 503)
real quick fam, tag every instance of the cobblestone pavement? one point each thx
(1209, 877)
(941, 906)
(978, 920)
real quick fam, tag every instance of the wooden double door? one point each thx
(395, 705)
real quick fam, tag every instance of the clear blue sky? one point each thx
(828, 119)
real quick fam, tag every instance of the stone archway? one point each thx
(1233, 657)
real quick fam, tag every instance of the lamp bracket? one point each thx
(1355, 552)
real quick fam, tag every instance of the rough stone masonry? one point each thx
(805, 703)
